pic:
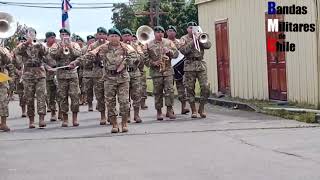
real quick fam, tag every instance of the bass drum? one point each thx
(178, 70)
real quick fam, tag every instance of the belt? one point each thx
(130, 69)
(196, 58)
(66, 68)
(113, 72)
(32, 65)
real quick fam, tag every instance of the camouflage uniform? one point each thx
(90, 72)
(116, 83)
(93, 75)
(143, 83)
(83, 98)
(195, 68)
(135, 80)
(5, 63)
(51, 83)
(162, 81)
(17, 62)
(34, 81)
(68, 82)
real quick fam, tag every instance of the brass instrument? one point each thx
(65, 42)
(199, 37)
(145, 34)
(8, 27)
(31, 33)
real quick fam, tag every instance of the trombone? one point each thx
(199, 37)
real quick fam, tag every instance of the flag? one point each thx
(66, 6)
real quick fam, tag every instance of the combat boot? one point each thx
(64, 120)
(60, 116)
(115, 127)
(184, 110)
(3, 126)
(136, 117)
(193, 110)
(31, 122)
(170, 113)
(90, 107)
(201, 111)
(124, 124)
(159, 115)
(53, 116)
(75, 119)
(42, 124)
(23, 108)
(103, 120)
(129, 117)
(143, 104)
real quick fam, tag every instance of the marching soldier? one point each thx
(5, 64)
(93, 77)
(83, 96)
(68, 83)
(115, 55)
(171, 33)
(50, 78)
(33, 76)
(195, 68)
(135, 74)
(17, 62)
(160, 51)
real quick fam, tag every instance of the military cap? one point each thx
(172, 27)
(50, 34)
(64, 30)
(114, 31)
(78, 38)
(102, 30)
(126, 31)
(159, 28)
(90, 37)
(20, 38)
(192, 24)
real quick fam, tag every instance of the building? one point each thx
(238, 60)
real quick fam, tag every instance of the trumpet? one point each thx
(65, 41)
(31, 33)
(199, 37)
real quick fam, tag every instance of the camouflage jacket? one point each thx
(134, 69)
(33, 59)
(56, 52)
(5, 65)
(112, 58)
(52, 63)
(177, 42)
(194, 59)
(155, 50)
(94, 69)
(17, 64)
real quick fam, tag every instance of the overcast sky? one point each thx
(82, 21)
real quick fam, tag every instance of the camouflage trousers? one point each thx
(66, 88)
(160, 85)
(88, 84)
(143, 79)
(99, 93)
(182, 96)
(4, 101)
(20, 89)
(52, 94)
(113, 89)
(32, 88)
(135, 91)
(190, 78)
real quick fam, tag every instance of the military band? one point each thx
(110, 66)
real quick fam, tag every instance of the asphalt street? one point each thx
(227, 145)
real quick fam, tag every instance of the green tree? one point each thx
(123, 16)
(12, 41)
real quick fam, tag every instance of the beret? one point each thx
(20, 38)
(64, 30)
(50, 34)
(114, 31)
(158, 28)
(102, 30)
(126, 31)
(192, 24)
(172, 27)
(90, 37)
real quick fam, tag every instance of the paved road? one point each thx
(228, 145)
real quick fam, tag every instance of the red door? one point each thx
(222, 47)
(277, 79)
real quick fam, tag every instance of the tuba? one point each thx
(8, 25)
(145, 34)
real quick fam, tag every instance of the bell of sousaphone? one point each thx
(145, 34)
(8, 25)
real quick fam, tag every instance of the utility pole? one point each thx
(154, 12)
